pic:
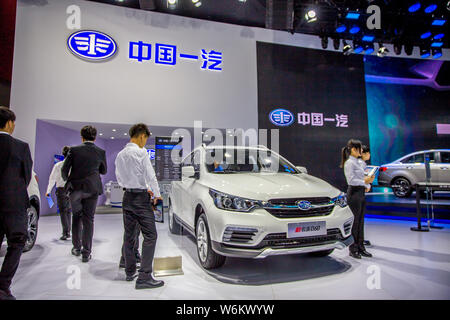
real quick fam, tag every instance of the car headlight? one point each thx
(340, 200)
(232, 203)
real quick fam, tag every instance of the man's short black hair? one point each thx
(65, 151)
(138, 129)
(6, 115)
(88, 133)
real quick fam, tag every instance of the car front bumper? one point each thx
(266, 252)
(271, 233)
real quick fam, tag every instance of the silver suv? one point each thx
(409, 170)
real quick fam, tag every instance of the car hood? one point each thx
(265, 186)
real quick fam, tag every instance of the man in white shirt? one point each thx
(62, 198)
(134, 172)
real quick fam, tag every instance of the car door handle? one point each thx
(444, 168)
(409, 168)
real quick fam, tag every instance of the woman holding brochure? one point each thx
(357, 185)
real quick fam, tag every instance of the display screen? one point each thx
(166, 168)
(317, 100)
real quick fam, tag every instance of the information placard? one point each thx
(166, 167)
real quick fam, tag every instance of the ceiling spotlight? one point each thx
(436, 52)
(424, 52)
(369, 48)
(397, 48)
(409, 49)
(197, 3)
(336, 43)
(352, 15)
(382, 51)
(311, 16)
(324, 41)
(438, 22)
(425, 35)
(438, 36)
(172, 4)
(347, 49)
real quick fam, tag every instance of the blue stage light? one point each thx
(368, 38)
(425, 55)
(352, 16)
(369, 50)
(438, 36)
(430, 8)
(425, 35)
(437, 44)
(414, 7)
(341, 28)
(358, 49)
(438, 22)
(437, 53)
(354, 29)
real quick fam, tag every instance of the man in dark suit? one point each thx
(82, 169)
(15, 175)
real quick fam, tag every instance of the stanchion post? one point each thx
(419, 213)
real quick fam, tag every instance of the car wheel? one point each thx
(208, 258)
(402, 188)
(174, 226)
(32, 228)
(322, 253)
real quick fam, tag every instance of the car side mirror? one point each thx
(188, 172)
(302, 169)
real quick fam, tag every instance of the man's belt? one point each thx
(135, 190)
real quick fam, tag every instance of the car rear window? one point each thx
(445, 157)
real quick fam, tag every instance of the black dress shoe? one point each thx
(366, 254)
(132, 277)
(76, 252)
(63, 237)
(86, 258)
(355, 255)
(149, 283)
(367, 243)
(6, 295)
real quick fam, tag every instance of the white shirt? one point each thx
(364, 165)
(56, 177)
(354, 172)
(134, 169)
(4, 132)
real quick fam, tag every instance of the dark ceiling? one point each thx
(398, 25)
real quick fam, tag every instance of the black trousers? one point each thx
(136, 244)
(356, 200)
(83, 208)
(63, 201)
(14, 226)
(138, 211)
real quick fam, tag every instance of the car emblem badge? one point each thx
(304, 205)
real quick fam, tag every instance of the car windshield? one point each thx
(224, 161)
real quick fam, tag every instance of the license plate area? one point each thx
(307, 229)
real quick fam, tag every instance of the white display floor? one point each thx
(412, 265)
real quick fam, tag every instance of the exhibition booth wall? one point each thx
(226, 76)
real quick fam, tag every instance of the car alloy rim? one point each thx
(403, 187)
(202, 240)
(32, 225)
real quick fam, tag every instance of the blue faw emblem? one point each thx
(304, 205)
(92, 45)
(281, 117)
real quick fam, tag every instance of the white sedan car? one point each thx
(251, 202)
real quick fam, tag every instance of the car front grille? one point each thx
(239, 235)
(287, 208)
(280, 240)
